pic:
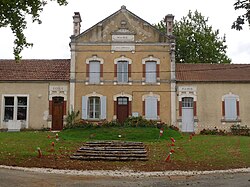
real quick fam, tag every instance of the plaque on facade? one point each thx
(117, 47)
(187, 89)
(58, 88)
(123, 38)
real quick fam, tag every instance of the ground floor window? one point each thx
(151, 108)
(93, 107)
(230, 107)
(15, 107)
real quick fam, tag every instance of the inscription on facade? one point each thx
(187, 89)
(58, 88)
(123, 38)
(118, 47)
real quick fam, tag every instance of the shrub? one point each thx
(214, 131)
(72, 119)
(174, 128)
(142, 122)
(240, 130)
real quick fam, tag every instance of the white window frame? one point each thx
(124, 73)
(86, 107)
(94, 58)
(15, 107)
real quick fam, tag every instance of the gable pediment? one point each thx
(122, 26)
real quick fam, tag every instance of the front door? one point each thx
(187, 114)
(122, 109)
(57, 113)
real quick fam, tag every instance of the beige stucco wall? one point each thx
(136, 89)
(38, 97)
(209, 104)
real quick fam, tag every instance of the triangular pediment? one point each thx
(122, 26)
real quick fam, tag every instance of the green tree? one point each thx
(240, 21)
(13, 13)
(196, 42)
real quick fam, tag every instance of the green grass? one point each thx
(207, 152)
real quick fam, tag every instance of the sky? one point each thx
(51, 38)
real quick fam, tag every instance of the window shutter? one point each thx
(151, 107)
(103, 107)
(125, 72)
(150, 72)
(230, 109)
(94, 72)
(84, 107)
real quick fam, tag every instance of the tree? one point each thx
(196, 42)
(13, 14)
(240, 21)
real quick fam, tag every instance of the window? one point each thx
(151, 107)
(187, 102)
(15, 108)
(9, 108)
(94, 107)
(230, 107)
(150, 72)
(94, 72)
(122, 71)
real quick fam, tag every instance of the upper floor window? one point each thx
(150, 72)
(151, 68)
(230, 107)
(122, 71)
(94, 72)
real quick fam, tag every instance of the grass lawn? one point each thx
(200, 153)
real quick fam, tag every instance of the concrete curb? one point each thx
(124, 173)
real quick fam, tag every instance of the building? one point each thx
(121, 67)
(34, 94)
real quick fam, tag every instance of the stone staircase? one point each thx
(112, 151)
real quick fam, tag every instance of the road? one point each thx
(18, 178)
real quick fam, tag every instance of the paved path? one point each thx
(21, 177)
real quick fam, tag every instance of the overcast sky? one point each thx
(51, 38)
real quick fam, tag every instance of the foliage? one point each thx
(240, 21)
(214, 131)
(196, 42)
(13, 13)
(141, 122)
(240, 130)
(71, 120)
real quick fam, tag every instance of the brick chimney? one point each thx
(169, 21)
(76, 23)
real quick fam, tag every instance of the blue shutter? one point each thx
(84, 107)
(151, 107)
(103, 107)
(150, 72)
(230, 108)
(94, 72)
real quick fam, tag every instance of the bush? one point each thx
(142, 122)
(174, 128)
(71, 119)
(214, 131)
(240, 130)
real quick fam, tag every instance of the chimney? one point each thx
(169, 21)
(77, 23)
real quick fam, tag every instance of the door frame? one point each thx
(186, 112)
(118, 106)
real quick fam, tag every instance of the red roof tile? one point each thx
(37, 70)
(213, 72)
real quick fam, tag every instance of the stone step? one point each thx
(114, 158)
(111, 150)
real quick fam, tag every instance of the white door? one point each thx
(187, 115)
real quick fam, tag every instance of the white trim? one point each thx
(72, 78)
(151, 94)
(122, 94)
(94, 58)
(230, 95)
(150, 58)
(94, 94)
(123, 58)
(15, 108)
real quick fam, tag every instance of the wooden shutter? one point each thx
(84, 107)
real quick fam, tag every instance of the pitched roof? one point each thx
(36, 70)
(213, 72)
